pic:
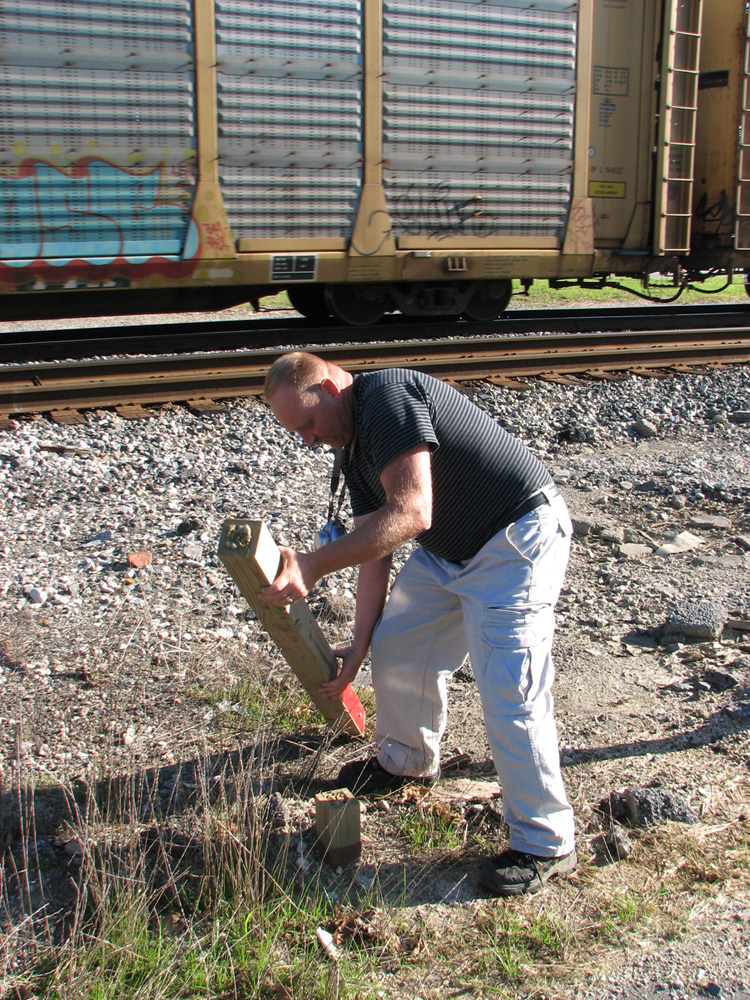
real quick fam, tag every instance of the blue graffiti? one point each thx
(93, 211)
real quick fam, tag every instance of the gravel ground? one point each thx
(101, 655)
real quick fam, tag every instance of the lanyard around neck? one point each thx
(338, 459)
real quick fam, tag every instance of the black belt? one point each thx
(543, 495)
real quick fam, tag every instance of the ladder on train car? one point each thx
(677, 123)
(742, 230)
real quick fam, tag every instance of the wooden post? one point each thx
(252, 559)
(337, 826)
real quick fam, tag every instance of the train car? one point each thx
(368, 156)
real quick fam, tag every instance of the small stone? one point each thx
(139, 559)
(635, 550)
(35, 595)
(188, 525)
(614, 845)
(128, 737)
(645, 429)
(697, 619)
(740, 417)
(612, 534)
(684, 542)
(709, 521)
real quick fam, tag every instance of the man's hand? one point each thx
(297, 577)
(351, 658)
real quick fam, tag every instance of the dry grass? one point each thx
(192, 871)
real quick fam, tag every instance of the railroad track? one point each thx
(270, 331)
(77, 385)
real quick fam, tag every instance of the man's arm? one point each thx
(372, 588)
(407, 482)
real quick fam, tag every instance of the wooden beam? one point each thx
(252, 559)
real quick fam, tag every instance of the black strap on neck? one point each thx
(338, 459)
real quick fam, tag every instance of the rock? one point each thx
(573, 433)
(610, 533)
(740, 417)
(647, 807)
(650, 486)
(139, 559)
(615, 844)
(709, 521)
(581, 528)
(189, 525)
(645, 429)
(683, 542)
(720, 680)
(696, 620)
(743, 541)
(35, 595)
(634, 550)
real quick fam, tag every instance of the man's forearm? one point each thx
(372, 588)
(378, 536)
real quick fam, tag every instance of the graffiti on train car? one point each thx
(719, 214)
(434, 210)
(97, 217)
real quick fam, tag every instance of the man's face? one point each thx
(317, 414)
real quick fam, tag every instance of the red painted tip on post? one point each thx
(354, 707)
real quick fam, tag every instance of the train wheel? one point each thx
(310, 300)
(489, 300)
(358, 305)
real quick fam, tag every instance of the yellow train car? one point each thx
(368, 156)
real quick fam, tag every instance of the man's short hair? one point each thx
(297, 369)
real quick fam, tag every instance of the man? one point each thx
(422, 462)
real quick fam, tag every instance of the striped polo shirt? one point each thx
(480, 472)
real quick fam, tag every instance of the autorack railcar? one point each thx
(367, 156)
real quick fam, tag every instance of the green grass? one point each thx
(513, 943)
(544, 296)
(433, 829)
(248, 704)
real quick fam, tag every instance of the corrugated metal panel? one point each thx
(478, 108)
(289, 116)
(97, 134)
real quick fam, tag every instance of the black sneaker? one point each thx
(512, 872)
(369, 777)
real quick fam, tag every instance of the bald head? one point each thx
(298, 370)
(311, 397)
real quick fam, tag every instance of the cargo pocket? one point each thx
(514, 653)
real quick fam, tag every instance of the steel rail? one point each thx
(81, 385)
(258, 331)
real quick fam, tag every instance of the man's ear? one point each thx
(328, 386)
